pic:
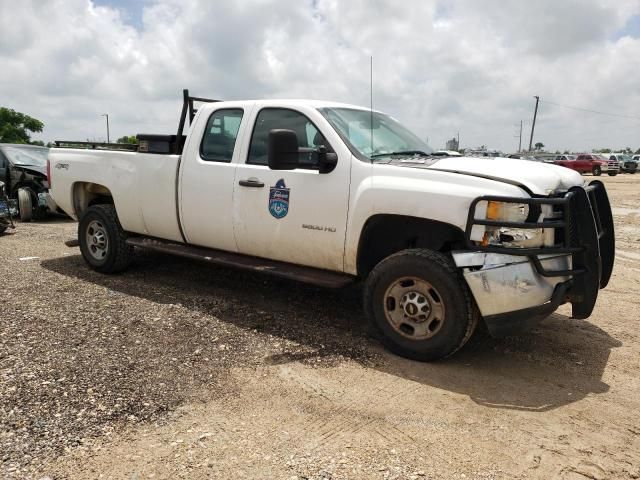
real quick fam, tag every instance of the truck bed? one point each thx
(142, 185)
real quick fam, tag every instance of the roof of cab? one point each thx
(291, 103)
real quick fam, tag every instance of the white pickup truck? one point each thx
(330, 194)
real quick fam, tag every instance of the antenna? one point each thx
(371, 104)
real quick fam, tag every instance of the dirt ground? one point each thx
(177, 369)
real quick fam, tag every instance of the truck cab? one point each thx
(331, 194)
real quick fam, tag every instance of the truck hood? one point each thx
(537, 177)
(41, 169)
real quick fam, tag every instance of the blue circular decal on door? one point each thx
(279, 200)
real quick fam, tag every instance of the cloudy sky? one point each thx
(440, 67)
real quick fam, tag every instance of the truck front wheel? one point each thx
(102, 240)
(419, 304)
(597, 171)
(612, 174)
(25, 204)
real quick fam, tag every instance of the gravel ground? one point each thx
(177, 369)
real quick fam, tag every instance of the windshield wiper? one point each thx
(404, 152)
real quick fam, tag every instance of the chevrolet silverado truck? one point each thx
(330, 194)
(589, 163)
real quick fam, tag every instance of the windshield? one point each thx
(27, 155)
(624, 158)
(386, 138)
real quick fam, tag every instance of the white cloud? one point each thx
(459, 65)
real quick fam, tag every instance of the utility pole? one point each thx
(533, 125)
(520, 138)
(107, 116)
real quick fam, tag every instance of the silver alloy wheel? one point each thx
(414, 308)
(97, 240)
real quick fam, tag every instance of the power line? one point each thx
(591, 111)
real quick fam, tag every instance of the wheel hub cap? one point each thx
(414, 308)
(97, 241)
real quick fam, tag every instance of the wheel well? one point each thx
(384, 235)
(86, 194)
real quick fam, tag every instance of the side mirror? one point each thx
(327, 161)
(282, 150)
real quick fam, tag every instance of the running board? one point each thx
(314, 276)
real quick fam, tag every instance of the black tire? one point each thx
(3, 228)
(612, 174)
(439, 272)
(25, 205)
(117, 254)
(597, 171)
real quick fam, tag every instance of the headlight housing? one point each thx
(512, 236)
(507, 212)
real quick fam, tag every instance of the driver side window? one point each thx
(306, 132)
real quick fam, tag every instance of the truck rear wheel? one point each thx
(597, 171)
(102, 240)
(612, 174)
(419, 304)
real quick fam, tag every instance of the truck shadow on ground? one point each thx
(559, 362)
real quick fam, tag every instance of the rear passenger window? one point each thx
(220, 135)
(307, 133)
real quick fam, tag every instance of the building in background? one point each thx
(453, 144)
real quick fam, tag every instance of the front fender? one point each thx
(430, 194)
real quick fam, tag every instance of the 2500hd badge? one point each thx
(319, 227)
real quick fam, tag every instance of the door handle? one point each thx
(255, 183)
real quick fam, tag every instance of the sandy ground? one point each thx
(179, 370)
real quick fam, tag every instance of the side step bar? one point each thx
(314, 276)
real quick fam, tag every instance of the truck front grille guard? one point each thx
(586, 225)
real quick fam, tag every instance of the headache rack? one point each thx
(150, 142)
(153, 143)
(585, 231)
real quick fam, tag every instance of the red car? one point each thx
(588, 163)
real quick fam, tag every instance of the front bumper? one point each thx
(511, 295)
(516, 286)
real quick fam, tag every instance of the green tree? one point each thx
(127, 139)
(539, 146)
(14, 126)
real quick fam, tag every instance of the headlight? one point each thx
(511, 237)
(508, 212)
